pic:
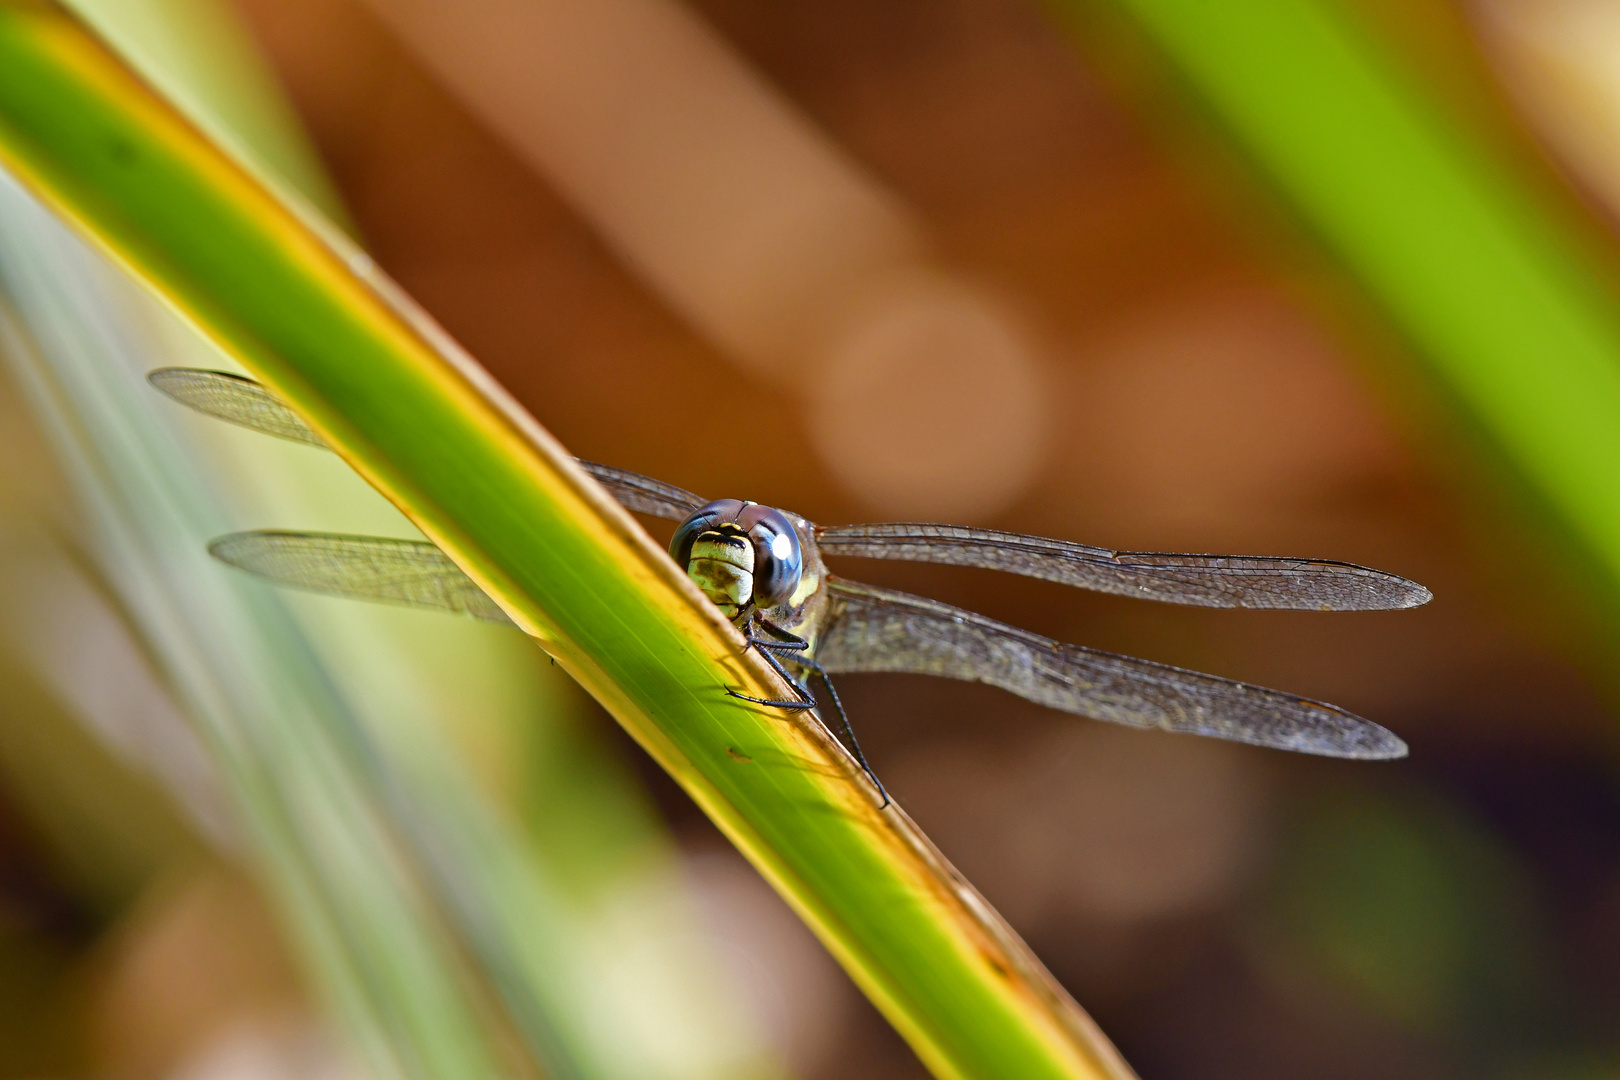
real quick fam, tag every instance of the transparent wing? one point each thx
(235, 400)
(1222, 581)
(873, 629)
(410, 572)
(643, 494)
(244, 402)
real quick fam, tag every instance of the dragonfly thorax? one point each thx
(740, 554)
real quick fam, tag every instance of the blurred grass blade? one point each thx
(1509, 312)
(1561, 62)
(568, 937)
(428, 428)
(363, 922)
(577, 931)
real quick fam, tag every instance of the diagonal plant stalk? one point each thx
(307, 314)
(351, 904)
(438, 929)
(389, 861)
(1516, 321)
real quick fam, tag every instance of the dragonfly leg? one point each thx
(789, 642)
(792, 680)
(805, 700)
(780, 646)
(792, 651)
(789, 639)
(843, 719)
(767, 701)
(767, 648)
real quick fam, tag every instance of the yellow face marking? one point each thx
(722, 567)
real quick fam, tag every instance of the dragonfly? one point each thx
(764, 569)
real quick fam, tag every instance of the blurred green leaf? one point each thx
(1511, 313)
(1403, 900)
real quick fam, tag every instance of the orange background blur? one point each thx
(1167, 364)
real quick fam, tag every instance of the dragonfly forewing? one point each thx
(235, 400)
(246, 403)
(643, 494)
(869, 629)
(409, 572)
(1220, 581)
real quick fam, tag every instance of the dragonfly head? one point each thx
(740, 554)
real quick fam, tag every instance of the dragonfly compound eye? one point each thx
(778, 559)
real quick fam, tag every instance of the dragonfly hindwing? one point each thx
(410, 572)
(873, 629)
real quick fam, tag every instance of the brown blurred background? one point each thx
(1166, 363)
